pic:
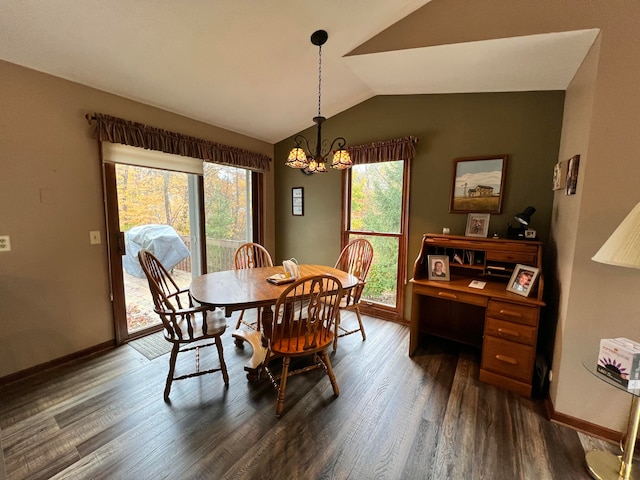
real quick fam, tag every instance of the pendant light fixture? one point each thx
(312, 160)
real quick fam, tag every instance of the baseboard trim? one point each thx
(87, 352)
(580, 425)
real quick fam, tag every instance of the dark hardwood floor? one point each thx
(426, 417)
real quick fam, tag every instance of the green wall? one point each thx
(525, 125)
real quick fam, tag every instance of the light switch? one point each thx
(94, 237)
(5, 243)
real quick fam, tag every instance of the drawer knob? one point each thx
(510, 313)
(506, 331)
(506, 359)
(453, 296)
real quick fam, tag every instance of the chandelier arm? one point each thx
(300, 140)
(339, 142)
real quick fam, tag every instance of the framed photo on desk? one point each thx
(523, 279)
(438, 267)
(477, 225)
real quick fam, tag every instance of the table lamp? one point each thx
(622, 249)
(524, 219)
(623, 246)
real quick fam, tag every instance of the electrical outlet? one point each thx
(5, 243)
(94, 237)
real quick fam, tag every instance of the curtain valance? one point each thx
(116, 130)
(384, 151)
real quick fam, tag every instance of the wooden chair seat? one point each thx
(210, 328)
(296, 345)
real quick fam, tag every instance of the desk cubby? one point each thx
(502, 324)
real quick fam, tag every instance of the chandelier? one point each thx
(314, 160)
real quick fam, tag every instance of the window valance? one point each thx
(384, 151)
(117, 130)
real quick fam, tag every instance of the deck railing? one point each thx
(220, 254)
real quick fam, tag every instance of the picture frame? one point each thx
(477, 225)
(560, 175)
(478, 184)
(438, 266)
(523, 279)
(572, 175)
(297, 201)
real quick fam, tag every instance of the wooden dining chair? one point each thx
(302, 326)
(184, 323)
(355, 258)
(251, 255)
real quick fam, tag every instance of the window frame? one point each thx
(378, 310)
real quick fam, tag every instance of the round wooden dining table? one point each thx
(248, 288)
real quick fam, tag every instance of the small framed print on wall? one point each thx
(572, 175)
(560, 175)
(297, 201)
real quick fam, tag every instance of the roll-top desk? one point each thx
(504, 325)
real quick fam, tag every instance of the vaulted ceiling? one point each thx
(249, 66)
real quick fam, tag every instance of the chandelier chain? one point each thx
(319, 77)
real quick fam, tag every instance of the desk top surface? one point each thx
(237, 289)
(493, 289)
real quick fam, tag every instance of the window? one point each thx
(376, 209)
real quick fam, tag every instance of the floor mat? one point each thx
(152, 346)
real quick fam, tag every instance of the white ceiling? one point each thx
(249, 66)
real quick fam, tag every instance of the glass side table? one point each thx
(605, 465)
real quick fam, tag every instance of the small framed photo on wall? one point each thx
(297, 201)
(572, 175)
(560, 175)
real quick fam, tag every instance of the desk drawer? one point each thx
(513, 312)
(510, 331)
(453, 295)
(512, 257)
(508, 358)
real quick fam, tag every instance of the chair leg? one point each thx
(239, 319)
(172, 369)
(364, 335)
(332, 376)
(283, 385)
(223, 366)
(336, 331)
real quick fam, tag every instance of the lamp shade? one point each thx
(297, 158)
(623, 246)
(341, 160)
(525, 217)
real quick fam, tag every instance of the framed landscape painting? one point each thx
(478, 184)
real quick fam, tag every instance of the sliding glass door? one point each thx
(192, 222)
